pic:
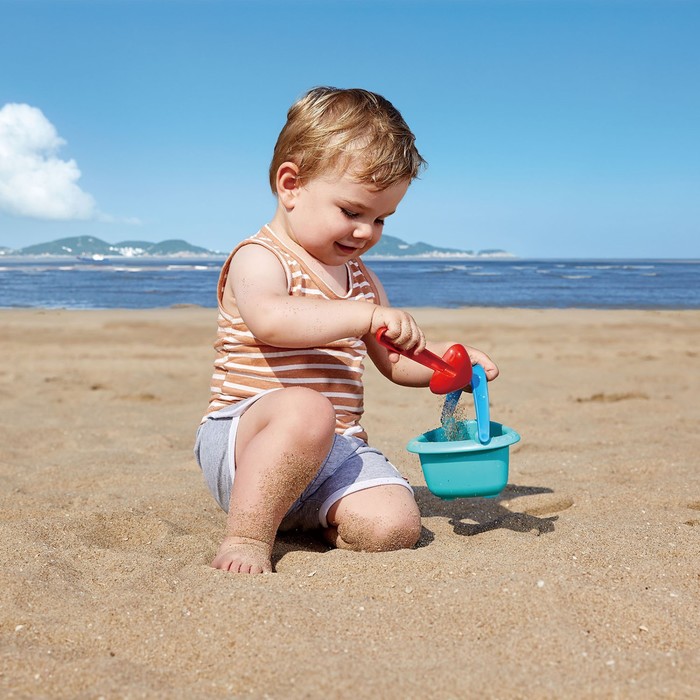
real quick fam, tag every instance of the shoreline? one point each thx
(411, 309)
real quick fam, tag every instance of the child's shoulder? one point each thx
(266, 239)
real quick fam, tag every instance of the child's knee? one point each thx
(384, 533)
(401, 533)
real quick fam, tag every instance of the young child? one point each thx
(281, 445)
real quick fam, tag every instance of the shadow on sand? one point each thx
(472, 516)
(468, 517)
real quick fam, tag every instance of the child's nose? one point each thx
(363, 230)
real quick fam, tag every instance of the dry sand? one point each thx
(581, 580)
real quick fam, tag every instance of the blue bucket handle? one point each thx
(480, 391)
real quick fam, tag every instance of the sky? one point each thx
(552, 129)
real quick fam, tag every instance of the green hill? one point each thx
(176, 246)
(388, 246)
(395, 247)
(89, 245)
(77, 245)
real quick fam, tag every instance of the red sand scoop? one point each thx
(453, 371)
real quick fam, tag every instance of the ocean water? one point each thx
(134, 283)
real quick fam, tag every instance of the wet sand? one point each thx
(582, 579)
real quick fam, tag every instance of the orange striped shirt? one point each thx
(245, 366)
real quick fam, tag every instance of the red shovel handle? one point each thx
(452, 371)
(426, 358)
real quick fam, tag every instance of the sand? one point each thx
(581, 580)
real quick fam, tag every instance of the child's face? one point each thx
(335, 218)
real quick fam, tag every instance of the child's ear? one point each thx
(287, 184)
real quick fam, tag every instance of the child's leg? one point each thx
(281, 442)
(377, 519)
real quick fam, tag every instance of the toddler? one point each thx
(281, 446)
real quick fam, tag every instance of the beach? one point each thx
(581, 580)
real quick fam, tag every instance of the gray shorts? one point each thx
(351, 465)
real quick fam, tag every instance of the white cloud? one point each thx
(34, 182)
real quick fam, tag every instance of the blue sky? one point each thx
(552, 129)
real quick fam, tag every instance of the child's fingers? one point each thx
(397, 331)
(490, 371)
(418, 341)
(401, 329)
(415, 340)
(480, 358)
(410, 336)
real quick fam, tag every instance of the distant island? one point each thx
(95, 249)
(89, 247)
(392, 247)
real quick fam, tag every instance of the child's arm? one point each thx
(404, 371)
(258, 283)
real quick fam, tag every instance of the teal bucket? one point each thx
(465, 468)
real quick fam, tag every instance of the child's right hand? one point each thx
(401, 329)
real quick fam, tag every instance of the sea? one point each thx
(142, 283)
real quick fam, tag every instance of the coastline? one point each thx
(579, 580)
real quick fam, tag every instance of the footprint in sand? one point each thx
(124, 530)
(612, 398)
(548, 506)
(693, 522)
(143, 397)
(522, 500)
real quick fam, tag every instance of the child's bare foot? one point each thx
(243, 555)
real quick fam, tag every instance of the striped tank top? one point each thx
(245, 366)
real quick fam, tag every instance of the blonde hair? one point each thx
(329, 129)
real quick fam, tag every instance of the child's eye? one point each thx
(349, 214)
(380, 222)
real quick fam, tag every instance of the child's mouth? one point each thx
(347, 249)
